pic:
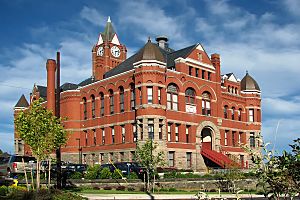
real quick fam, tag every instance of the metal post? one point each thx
(57, 113)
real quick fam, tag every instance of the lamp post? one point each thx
(79, 151)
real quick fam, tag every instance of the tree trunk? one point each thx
(25, 174)
(148, 180)
(49, 173)
(38, 175)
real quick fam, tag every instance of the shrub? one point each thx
(173, 190)
(3, 190)
(172, 174)
(105, 173)
(131, 189)
(120, 187)
(107, 188)
(76, 175)
(133, 175)
(92, 172)
(117, 174)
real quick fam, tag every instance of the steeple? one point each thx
(109, 31)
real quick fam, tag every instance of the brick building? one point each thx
(177, 98)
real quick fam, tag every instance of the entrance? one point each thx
(206, 138)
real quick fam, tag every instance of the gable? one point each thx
(115, 40)
(198, 54)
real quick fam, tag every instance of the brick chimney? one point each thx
(51, 67)
(215, 60)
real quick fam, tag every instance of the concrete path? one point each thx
(163, 196)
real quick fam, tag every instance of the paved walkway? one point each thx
(163, 196)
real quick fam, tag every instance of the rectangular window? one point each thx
(86, 138)
(95, 137)
(240, 137)
(123, 134)
(252, 140)
(111, 156)
(177, 132)
(203, 74)
(239, 115)
(190, 70)
(102, 105)
(226, 138)
(169, 101)
(140, 95)
(159, 95)
(134, 132)
(112, 135)
(121, 156)
(188, 159)
(171, 157)
(93, 107)
(101, 158)
(251, 115)
(151, 129)
(150, 95)
(197, 72)
(132, 98)
(175, 101)
(141, 131)
(233, 138)
(187, 131)
(103, 136)
(111, 101)
(169, 132)
(160, 131)
(208, 76)
(121, 102)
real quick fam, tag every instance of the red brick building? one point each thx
(177, 98)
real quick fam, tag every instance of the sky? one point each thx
(261, 37)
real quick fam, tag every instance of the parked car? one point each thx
(13, 165)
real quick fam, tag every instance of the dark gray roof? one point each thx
(169, 56)
(248, 83)
(109, 32)
(43, 91)
(22, 103)
(86, 82)
(68, 86)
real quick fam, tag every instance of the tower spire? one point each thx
(108, 19)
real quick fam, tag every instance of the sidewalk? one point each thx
(163, 196)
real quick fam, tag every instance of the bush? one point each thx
(93, 172)
(133, 175)
(105, 173)
(131, 189)
(76, 175)
(117, 174)
(107, 188)
(173, 190)
(121, 187)
(3, 190)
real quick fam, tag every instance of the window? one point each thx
(169, 132)
(103, 136)
(132, 156)
(95, 137)
(151, 129)
(123, 133)
(225, 112)
(208, 76)
(200, 56)
(111, 156)
(160, 136)
(232, 113)
(111, 101)
(101, 158)
(121, 90)
(112, 135)
(172, 97)
(121, 156)
(150, 95)
(141, 131)
(171, 157)
(240, 114)
(132, 97)
(203, 74)
(197, 72)
(159, 95)
(240, 137)
(84, 108)
(134, 132)
(190, 96)
(177, 132)
(102, 104)
(190, 70)
(187, 131)
(252, 140)
(93, 106)
(251, 115)
(206, 110)
(188, 159)
(233, 138)
(226, 137)
(86, 137)
(140, 95)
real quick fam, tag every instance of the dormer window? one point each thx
(200, 57)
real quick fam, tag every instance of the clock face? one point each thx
(100, 51)
(115, 51)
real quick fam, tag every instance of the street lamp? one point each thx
(79, 151)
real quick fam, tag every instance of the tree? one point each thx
(1, 152)
(41, 130)
(149, 158)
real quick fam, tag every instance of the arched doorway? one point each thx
(206, 138)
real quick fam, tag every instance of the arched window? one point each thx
(121, 91)
(84, 108)
(225, 112)
(172, 97)
(240, 114)
(111, 101)
(190, 96)
(232, 113)
(93, 106)
(206, 108)
(102, 104)
(132, 97)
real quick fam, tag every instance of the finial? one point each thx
(108, 20)
(149, 39)
(246, 71)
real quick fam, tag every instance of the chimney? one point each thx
(162, 41)
(51, 67)
(215, 60)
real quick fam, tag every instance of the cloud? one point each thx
(292, 6)
(92, 15)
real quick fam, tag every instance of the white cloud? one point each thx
(93, 16)
(292, 6)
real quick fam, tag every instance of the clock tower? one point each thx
(108, 52)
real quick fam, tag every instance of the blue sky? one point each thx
(261, 37)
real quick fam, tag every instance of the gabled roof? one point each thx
(43, 91)
(68, 86)
(171, 57)
(22, 103)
